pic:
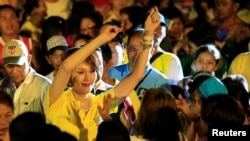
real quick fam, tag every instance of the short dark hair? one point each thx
(6, 6)
(6, 100)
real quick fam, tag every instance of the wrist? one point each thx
(148, 32)
(146, 45)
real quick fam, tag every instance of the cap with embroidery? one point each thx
(14, 52)
(56, 42)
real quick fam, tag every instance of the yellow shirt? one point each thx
(34, 31)
(67, 114)
(170, 65)
(240, 65)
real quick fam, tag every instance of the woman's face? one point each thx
(118, 4)
(6, 116)
(83, 78)
(176, 28)
(126, 24)
(88, 27)
(205, 62)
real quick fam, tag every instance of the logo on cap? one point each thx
(12, 49)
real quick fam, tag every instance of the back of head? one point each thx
(238, 88)
(222, 110)
(112, 130)
(207, 84)
(30, 5)
(53, 133)
(28, 126)
(54, 25)
(106, 53)
(153, 101)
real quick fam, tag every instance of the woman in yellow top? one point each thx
(76, 110)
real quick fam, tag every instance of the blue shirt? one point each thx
(152, 78)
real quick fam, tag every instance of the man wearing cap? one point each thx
(9, 28)
(56, 45)
(165, 62)
(26, 87)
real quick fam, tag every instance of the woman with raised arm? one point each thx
(75, 110)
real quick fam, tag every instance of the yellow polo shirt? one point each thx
(67, 114)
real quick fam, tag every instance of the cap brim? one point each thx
(14, 60)
(52, 50)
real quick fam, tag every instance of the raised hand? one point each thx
(104, 112)
(152, 20)
(109, 32)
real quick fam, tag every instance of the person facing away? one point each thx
(26, 87)
(157, 118)
(76, 109)
(222, 112)
(152, 77)
(6, 114)
(202, 86)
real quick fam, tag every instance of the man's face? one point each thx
(55, 59)
(117, 52)
(17, 73)
(159, 35)
(225, 8)
(9, 23)
(133, 50)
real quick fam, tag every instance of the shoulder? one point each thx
(169, 55)
(42, 79)
(136, 138)
(157, 73)
(119, 68)
(182, 137)
(242, 56)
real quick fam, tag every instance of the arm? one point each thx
(126, 85)
(62, 76)
(183, 106)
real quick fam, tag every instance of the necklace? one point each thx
(89, 105)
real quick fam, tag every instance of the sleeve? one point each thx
(175, 72)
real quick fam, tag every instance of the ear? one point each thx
(236, 6)
(29, 58)
(110, 63)
(47, 58)
(217, 66)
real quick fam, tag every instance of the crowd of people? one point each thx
(106, 70)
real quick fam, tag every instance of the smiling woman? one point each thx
(6, 115)
(77, 110)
